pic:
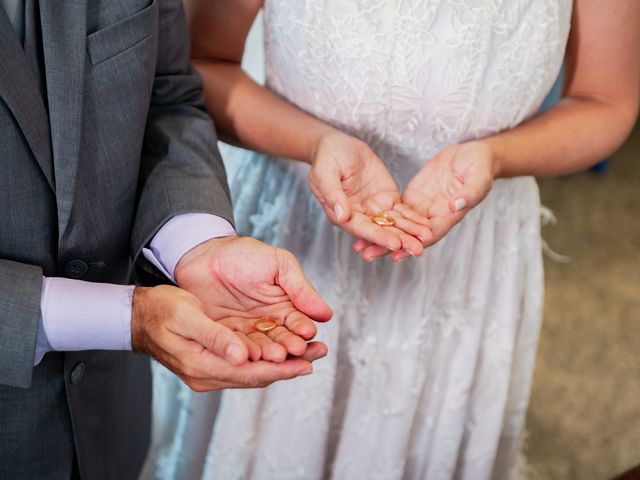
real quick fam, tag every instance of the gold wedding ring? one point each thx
(383, 220)
(265, 324)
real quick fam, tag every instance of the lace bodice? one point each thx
(412, 76)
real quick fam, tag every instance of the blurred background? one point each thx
(584, 415)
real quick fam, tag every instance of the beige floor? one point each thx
(584, 417)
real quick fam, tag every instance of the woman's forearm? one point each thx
(602, 79)
(249, 115)
(573, 135)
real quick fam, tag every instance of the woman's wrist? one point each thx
(493, 149)
(318, 137)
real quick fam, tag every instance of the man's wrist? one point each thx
(180, 235)
(137, 323)
(196, 252)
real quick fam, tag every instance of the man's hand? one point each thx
(239, 280)
(170, 325)
(352, 184)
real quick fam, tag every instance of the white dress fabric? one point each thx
(431, 360)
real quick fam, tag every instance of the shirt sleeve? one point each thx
(77, 315)
(181, 234)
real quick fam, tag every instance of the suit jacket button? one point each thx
(77, 373)
(76, 269)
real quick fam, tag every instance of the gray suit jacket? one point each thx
(119, 143)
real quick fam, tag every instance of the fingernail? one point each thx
(234, 353)
(369, 260)
(411, 253)
(460, 204)
(307, 371)
(338, 211)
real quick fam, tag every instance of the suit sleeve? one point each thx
(181, 171)
(20, 296)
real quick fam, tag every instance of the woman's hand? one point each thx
(442, 192)
(352, 184)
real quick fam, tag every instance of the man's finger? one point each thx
(303, 295)
(400, 255)
(360, 244)
(271, 351)
(301, 325)
(249, 375)
(263, 373)
(255, 352)
(215, 337)
(371, 252)
(315, 351)
(293, 344)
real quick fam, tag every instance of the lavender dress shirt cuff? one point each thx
(79, 315)
(181, 234)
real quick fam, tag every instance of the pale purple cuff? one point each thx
(181, 234)
(79, 315)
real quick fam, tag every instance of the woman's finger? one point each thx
(326, 185)
(418, 231)
(362, 227)
(293, 344)
(411, 214)
(475, 189)
(410, 244)
(441, 225)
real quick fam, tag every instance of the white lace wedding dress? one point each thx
(431, 360)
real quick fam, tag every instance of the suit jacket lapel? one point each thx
(64, 39)
(21, 92)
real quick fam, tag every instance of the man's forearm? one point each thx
(20, 294)
(181, 169)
